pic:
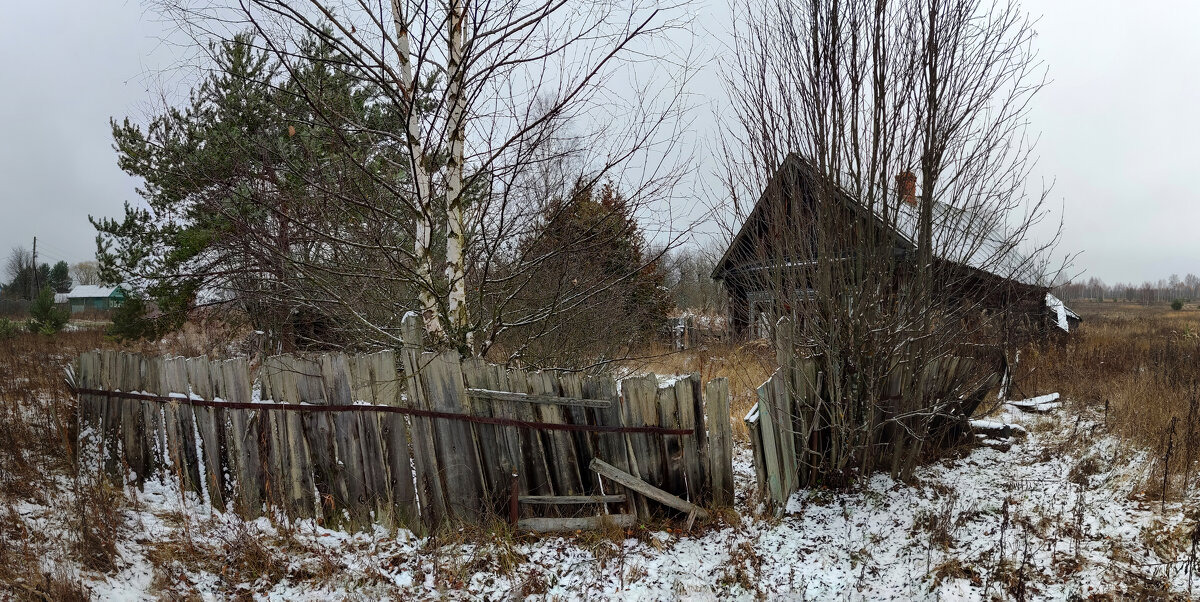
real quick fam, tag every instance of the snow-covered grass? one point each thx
(1054, 515)
(1069, 508)
(1135, 366)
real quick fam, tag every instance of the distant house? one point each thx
(756, 255)
(90, 297)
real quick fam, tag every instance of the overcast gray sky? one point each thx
(1118, 124)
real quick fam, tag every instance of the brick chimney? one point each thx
(906, 187)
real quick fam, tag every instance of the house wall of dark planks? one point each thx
(407, 438)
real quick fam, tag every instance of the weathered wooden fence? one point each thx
(407, 438)
(800, 435)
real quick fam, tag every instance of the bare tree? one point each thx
(19, 260)
(85, 272)
(486, 95)
(884, 145)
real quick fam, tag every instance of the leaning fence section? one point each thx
(802, 435)
(408, 438)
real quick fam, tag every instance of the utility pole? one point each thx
(33, 271)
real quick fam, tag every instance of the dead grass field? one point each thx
(37, 424)
(1138, 368)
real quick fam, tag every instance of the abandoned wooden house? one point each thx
(779, 235)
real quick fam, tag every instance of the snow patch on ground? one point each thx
(1059, 512)
(1041, 403)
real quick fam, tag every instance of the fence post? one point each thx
(429, 488)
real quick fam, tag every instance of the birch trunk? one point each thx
(420, 172)
(456, 311)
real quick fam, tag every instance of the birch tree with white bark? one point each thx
(491, 93)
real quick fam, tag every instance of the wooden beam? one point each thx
(605, 469)
(543, 399)
(548, 525)
(572, 499)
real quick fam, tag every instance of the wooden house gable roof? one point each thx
(966, 238)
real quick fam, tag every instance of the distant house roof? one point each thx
(60, 297)
(91, 291)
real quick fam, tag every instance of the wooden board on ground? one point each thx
(609, 471)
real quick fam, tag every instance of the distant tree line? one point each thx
(1164, 290)
(24, 280)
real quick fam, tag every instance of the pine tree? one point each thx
(47, 318)
(60, 278)
(236, 180)
(594, 277)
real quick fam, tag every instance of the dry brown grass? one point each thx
(37, 425)
(1137, 368)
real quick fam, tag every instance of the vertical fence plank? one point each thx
(563, 460)
(770, 438)
(535, 476)
(153, 440)
(335, 390)
(298, 380)
(428, 478)
(781, 414)
(244, 436)
(188, 461)
(637, 393)
(112, 416)
(96, 406)
(130, 417)
(671, 445)
(374, 460)
(277, 387)
(493, 458)
(720, 441)
(508, 438)
(611, 447)
(394, 431)
(702, 450)
(642, 394)
(585, 444)
(687, 390)
(458, 457)
(85, 376)
(209, 426)
(302, 492)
